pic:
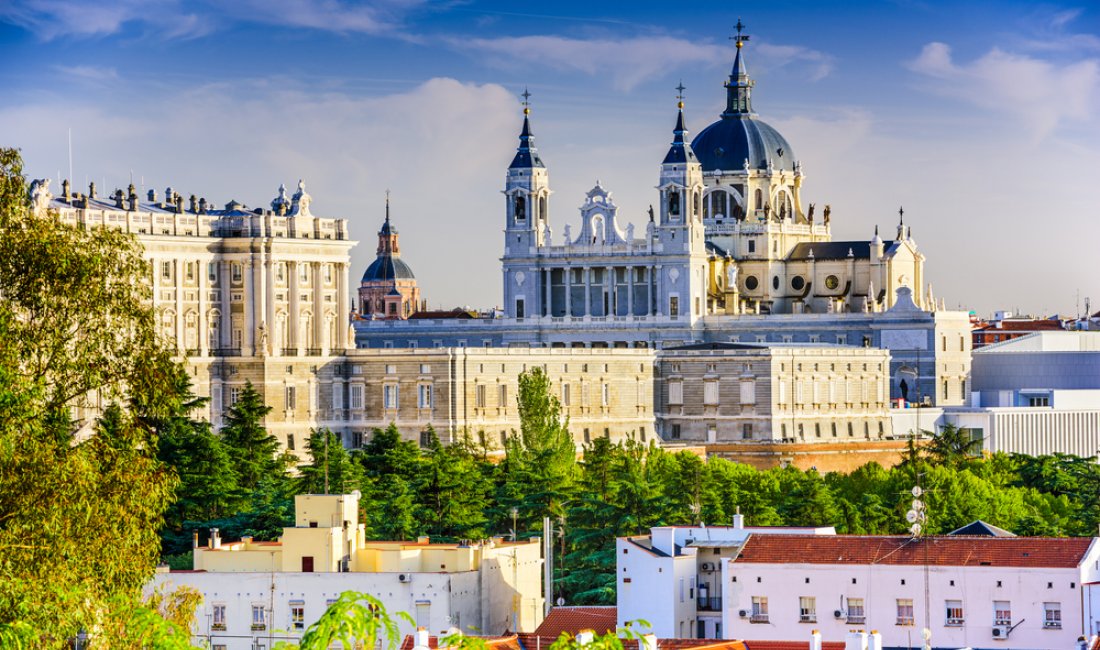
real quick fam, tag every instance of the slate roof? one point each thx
(680, 151)
(460, 314)
(726, 144)
(387, 267)
(527, 156)
(833, 250)
(1031, 552)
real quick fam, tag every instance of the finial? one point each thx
(739, 38)
(876, 230)
(526, 101)
(901, 216)
(680, 95)
(387, 205)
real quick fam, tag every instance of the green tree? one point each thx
(331, 468)
(79, 515)
(453, 490)
(953, 445)
(254, 451)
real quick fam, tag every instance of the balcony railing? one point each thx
(856, 620)
(290, 352)
(905, 620)
(710, 604)
(807, 618)
(758, 618)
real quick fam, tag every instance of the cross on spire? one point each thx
(740, 37)
(387, 205)
(526, 101)
(680, 94)
(901, 215)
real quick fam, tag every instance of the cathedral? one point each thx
(388, 288)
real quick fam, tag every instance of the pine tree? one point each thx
(331, 469)
(252, 449)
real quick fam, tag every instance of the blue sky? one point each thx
(980, 118)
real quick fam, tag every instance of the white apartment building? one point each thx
(968, 592)
(671, 578)
(256, 594)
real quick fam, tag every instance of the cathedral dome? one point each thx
(386, 268)
(727, 143)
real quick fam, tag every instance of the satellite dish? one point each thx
(911, 516)
(917, 504)
(927, 634)
(917, 491)
(915, 529)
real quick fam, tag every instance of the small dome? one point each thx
(726, 144)
(386, 268)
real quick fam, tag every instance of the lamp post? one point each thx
(515, 513)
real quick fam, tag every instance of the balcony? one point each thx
(711, 604)
(758, 618)
(290, 352)
(954, 622)
(218, 627)
(313, 352)
(807, 618)
(905, 620)
(857, 620)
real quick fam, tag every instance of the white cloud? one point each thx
(820, 64)
(1039, 93)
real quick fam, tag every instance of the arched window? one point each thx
(674, 204)
(695, 204)
(521, 209)
(542, 207)
(758, 200)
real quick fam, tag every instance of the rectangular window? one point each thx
(605, 395)
(259, 621)
(1052, 615)
(234, 395)
(676, 392)
(290, 441)
(953, 613)
(212, 272)
(356, 397)
(190, 270)
(479, 396)
(565, 394)
(424, 396)
(807, 609)
(166, 270)
(425, 439)
(337, 396)
(856, 615)
(674, 306)
(905, 611)
(675, 434)
(1038, 401)
(759, 609)
(746, 431)
(328, 274)
(290, 398)
(502, 396)
(521, 311)
(303, 272)
(297, 615)
(710, 392)
(1002, 612)
(218, 622)
(389, 396)
(237, 274)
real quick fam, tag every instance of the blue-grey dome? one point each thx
(729, 141)
(388, 267)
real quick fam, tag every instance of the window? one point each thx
(337, 397)
(190, 270)
(290, 398)
(328, 273)
(1002, 612)
(520, 309)
(587, 437)
(425, 439)
(391, 369)
(479, 396)
(355, 400)
(425, 369)
(710, 392)
(389, 396)
(236, 271)
(605, 395)
(303, 272)
(953, 613)
(807, 609)
(946, 388)
(234, 395)
(675, 433)
(1038, 400)
(905, 611)
(502, 396)
(674, 306)
(565, 394)
(752, 245)
(676, 392)
(746, 431)
(759, 609)
(855, 611)
(212, 271)
(424, 396)
(1052, 615)
(290, 441)
(259, 621)
(218, 622)
(297, 615)
(166, 270)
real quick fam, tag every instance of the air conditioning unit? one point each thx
(838, 613)
(404, 577)
(1000, 631)
(744, 613)
(707, 566)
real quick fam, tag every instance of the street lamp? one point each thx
(515, 513)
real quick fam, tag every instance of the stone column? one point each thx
(269, 303)
(630, 291)
(177, 281)
(587, 291)
(319, 341)
(225, 331)
(341, 306)
(248, 340)
(202, 326)
(568, 273)
(293, 319)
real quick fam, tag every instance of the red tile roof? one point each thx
(1053, 552)
(491, 642)
(572, 620)
(792, 645)
(536, 642)
(1022, 325)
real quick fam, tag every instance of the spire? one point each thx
(527, 155)
(387, 236)
(680, 152)
(739, 86)
(386, 229)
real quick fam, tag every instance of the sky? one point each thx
(980, 118)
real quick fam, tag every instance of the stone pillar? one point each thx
(548, 305)
(269, 303)
(319, 341)
(630, 291)
(225, 331)
(609, 283)
(587, 291)
(568, 273)
(733, 300)
(177, 282)
(342, 314)
(248, 337)
(293, 319)
(202, 327)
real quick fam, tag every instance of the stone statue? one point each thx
(731, 276)
(300, 201)
(767, 211)
(630, 233)
(568, 237)
(826, 212)
(40, 196)
(745, 166)
(810, 214)
(261, 338)
(651, 212)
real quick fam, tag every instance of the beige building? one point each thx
(766, 403)
(259, 593)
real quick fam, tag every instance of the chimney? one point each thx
(202, 205)
(215, 538)
(195, 539)
(739, 519)
(856, 641)
(649, 642)
(664, 539)
(815, 640)
(119, 200)
(152, 196)
(132, 196)
(422, 639)
(874, 640)
(584, 637)
(194, 204)
(67, 191)
(423, 540)
(91, 190)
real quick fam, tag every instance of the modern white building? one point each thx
(671, 578)
(967, 592)
(256, 594)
